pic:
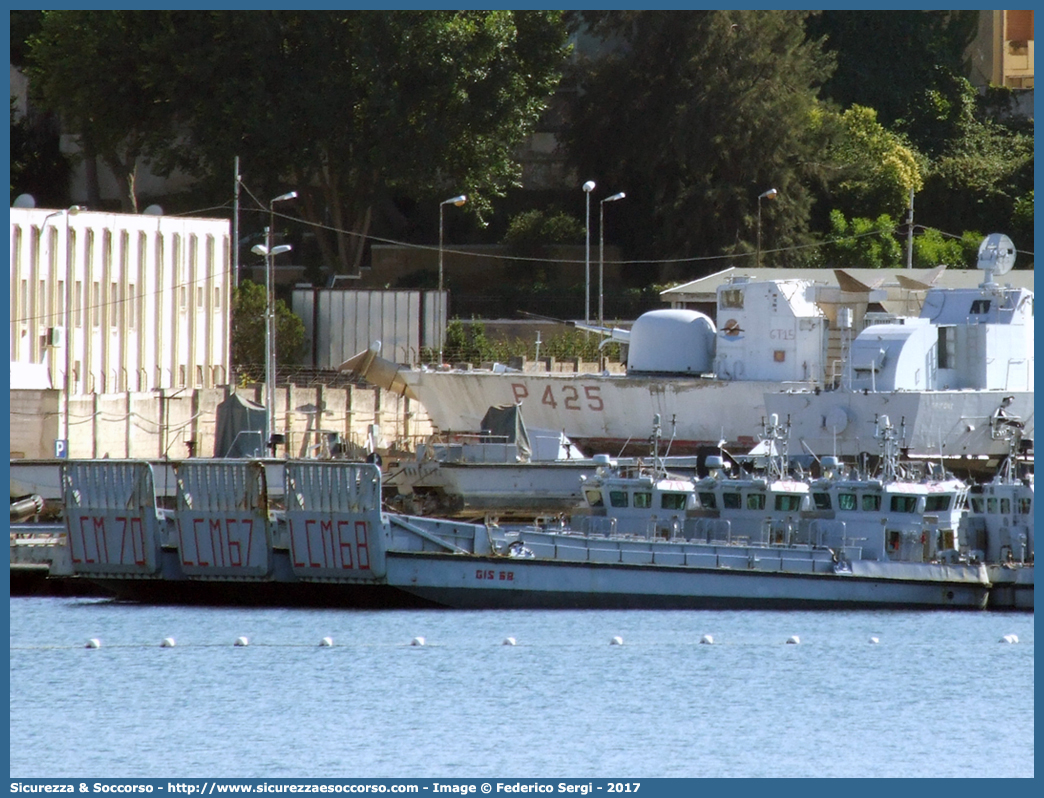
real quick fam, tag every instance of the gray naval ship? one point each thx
(947, 365)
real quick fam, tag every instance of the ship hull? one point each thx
(612, 413)
(949, 424)
(499, 583)
(601, 413)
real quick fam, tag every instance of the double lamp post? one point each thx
(588, 187)
(269, 252)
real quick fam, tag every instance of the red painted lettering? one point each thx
(362, 546)
(519, 391)
(549, 398)
(572, 397)
(594, 398)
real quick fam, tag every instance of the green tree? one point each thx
(861, 243)
(37, 165)
(870, 170)
(248, 331)
(983, 180)
(906, 65)
(105, 74)
(349, 106)
(694, 114)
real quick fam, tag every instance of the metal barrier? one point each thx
(223, 522)
(333, 512)
(111, 517)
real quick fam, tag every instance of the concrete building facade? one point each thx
(112, 302)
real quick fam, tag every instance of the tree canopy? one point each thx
(696, 113)
(343, 106)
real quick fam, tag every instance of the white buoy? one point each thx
(509, 641)
(874, 640)
(242, 641)
(417, 641)
(793, 640)
(326, 642)
(168, 642)
(94, 642)
(1010, 639)
(707, 640)
(616, 641)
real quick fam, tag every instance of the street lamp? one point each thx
(771, 194)
(601, 251)
(589, 186)
(269, 256)
(70, 211)
(457, 201)
(268, 252)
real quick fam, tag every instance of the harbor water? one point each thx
(938, 693)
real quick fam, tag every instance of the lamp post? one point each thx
(269, 256)
(601, 252)
(269, 252)
(457, 201)
(70, 211)
(589, 186)
(770, 194)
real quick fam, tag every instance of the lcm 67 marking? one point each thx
(218, 542)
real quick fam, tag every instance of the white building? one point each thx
(125, 302)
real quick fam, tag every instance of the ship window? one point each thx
(978, 505)
(788, 502)
(1025, 505)
(642, 499)
(991, 505)
(937, 504)
(947, 347)
(1005, 506)
(821, 500)
(901, 504)
(980, 306)
(871, 502)
(895, 538)
(618, 498)
(672, 501)
(594, 498)
(708, 502)
(846, 501)
(731, 501)
(732, 298)
(755, 501)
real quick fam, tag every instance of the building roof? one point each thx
(705, 289)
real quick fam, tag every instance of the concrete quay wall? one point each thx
(161, 424)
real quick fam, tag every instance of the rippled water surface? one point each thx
(937, 695)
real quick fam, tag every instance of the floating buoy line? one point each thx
(243, 641)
